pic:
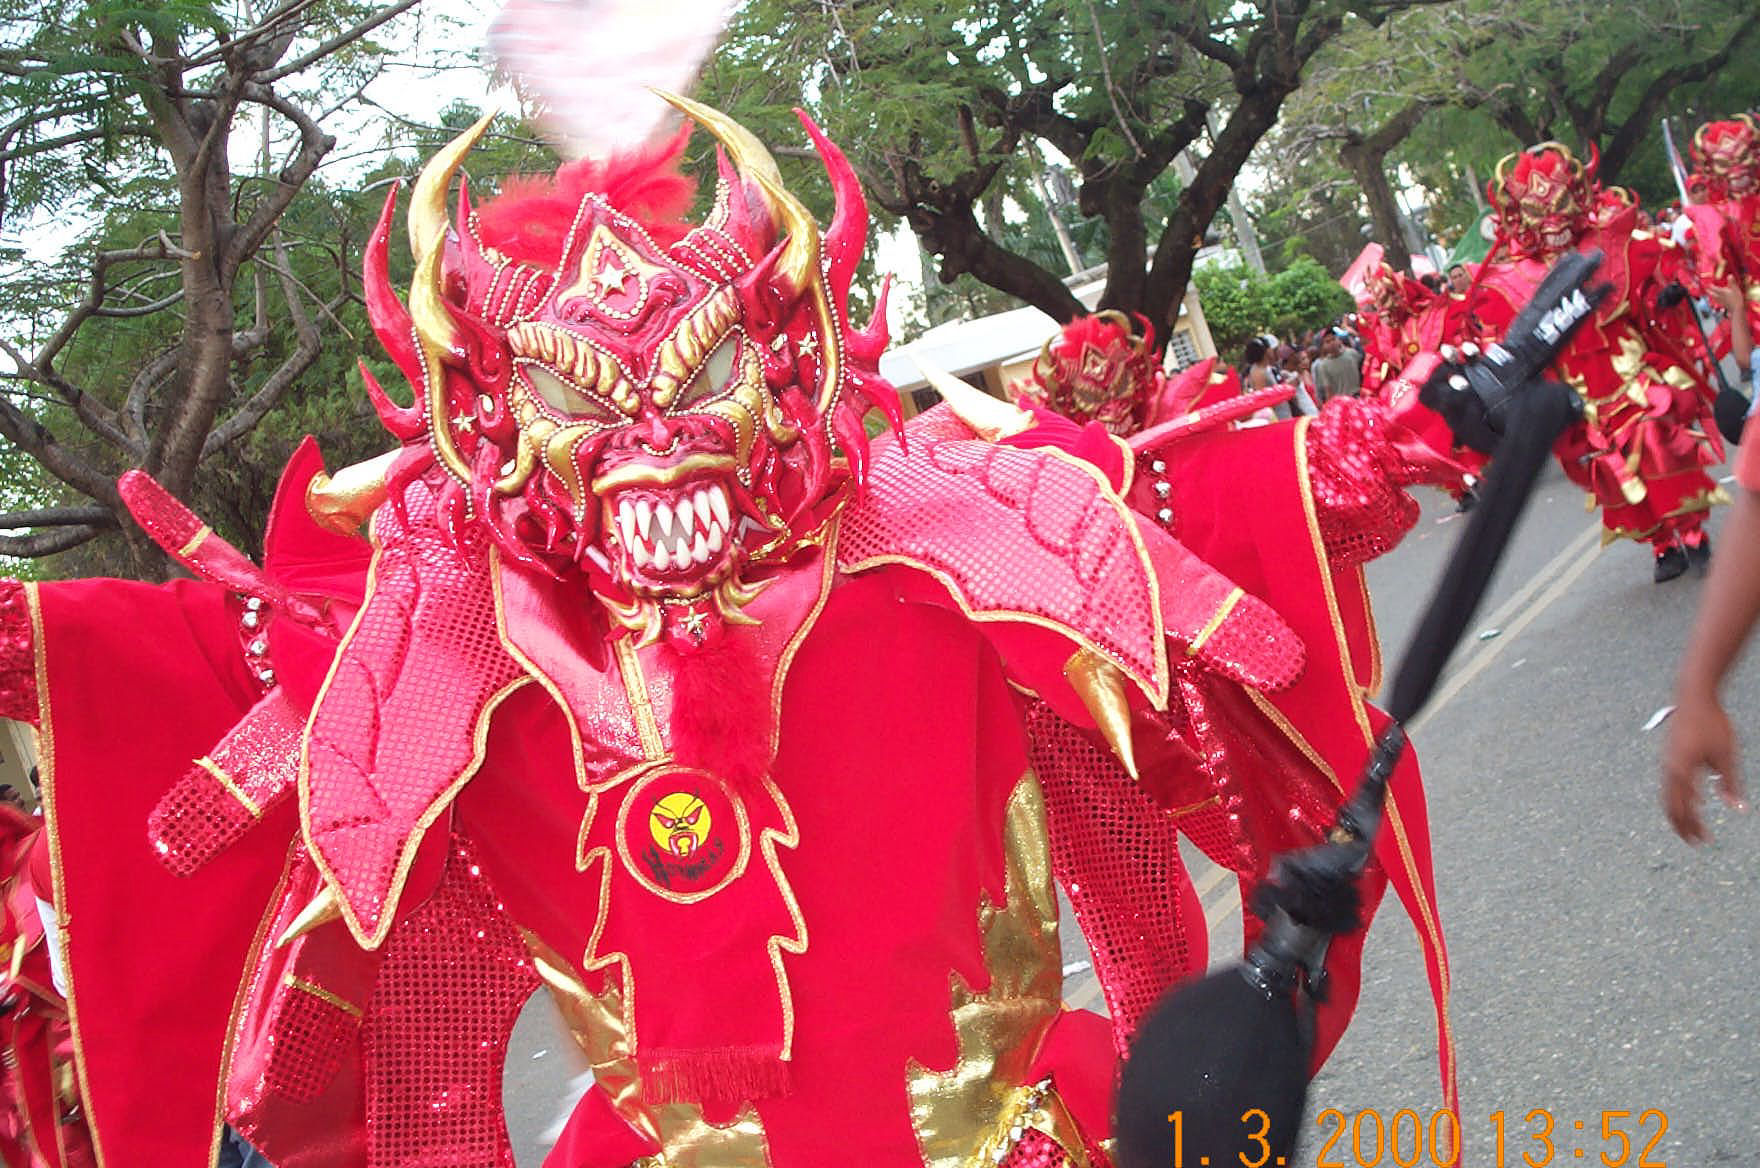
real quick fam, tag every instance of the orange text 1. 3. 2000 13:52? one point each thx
(1407, 1139)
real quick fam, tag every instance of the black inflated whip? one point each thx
(1222, 1062)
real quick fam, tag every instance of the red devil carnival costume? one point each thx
(1725, 213)
(1646, 440)
(654, 682)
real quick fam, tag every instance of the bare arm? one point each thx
(1741, 339)
(1700, 736)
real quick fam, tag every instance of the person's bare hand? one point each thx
(1727, 296)
(1700, 738)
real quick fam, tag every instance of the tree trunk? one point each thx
(1369, 168)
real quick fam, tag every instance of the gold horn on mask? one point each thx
(799, 265)
(427, 308)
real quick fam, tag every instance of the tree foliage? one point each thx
(947, 109)
(185, 138)
(1439, 95)
(1240, 303)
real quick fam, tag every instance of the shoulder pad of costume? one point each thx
(1014, 535)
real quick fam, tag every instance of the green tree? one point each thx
(195, 302)
(944, 107)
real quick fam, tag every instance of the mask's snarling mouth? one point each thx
(1558, 239)
(675, 535)
(672, 526)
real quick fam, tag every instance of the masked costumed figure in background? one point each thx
(1646, 440)
(40, 1121)
(1725, 215)
(1249, 759)
(1405, 319)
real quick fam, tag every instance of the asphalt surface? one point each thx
(1599, 965)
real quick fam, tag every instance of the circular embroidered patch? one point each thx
(682, 834)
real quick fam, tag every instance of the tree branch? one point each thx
(57, 517)
(277, 384)
(47, 543)
(345, 37)
(314, 144)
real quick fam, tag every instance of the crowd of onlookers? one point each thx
(1319, 364)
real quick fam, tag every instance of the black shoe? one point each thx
(1671, 561)
(1699, 554)
(1469, 498)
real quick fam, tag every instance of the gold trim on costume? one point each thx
(242, 993)
(1432, 932)
(1155, 687)
(635, 685)
(63, 921)
(599, 1024)
(232, 788)
(974, 1104)
(1215, 621)
(195, 541)
(322, 994)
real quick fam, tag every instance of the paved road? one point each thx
(1599, 965)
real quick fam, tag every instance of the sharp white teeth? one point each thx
(681, 549)
(626, 524)
(662, 558)
(718, 501)
(700, 550)
(638, 552)
(715, 541)
(704, 511)
(663, 513)
(644, 520)
(685, 517)
(747, 523)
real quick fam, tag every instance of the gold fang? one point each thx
(799, 265)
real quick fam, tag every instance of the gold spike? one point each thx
(343, 501)
(799, 265)
(427, 200)
(427, 309)
(1101, 686)
(991, 419)
(324, 908)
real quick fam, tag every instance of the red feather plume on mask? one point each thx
(529, 221)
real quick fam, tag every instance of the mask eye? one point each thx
(564, 398)
(712, 376)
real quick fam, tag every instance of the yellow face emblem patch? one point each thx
(679, 824)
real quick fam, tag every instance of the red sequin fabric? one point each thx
(1012, 531)
(18, 658)
(1117, 854)
(1359, 461)
(200, 816)
(1035, 1149)
(454, 979)
(395, 729)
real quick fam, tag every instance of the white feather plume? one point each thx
(587, 66)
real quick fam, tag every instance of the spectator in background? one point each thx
(1459, 279)
(1299, 374)
(1336, 373)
